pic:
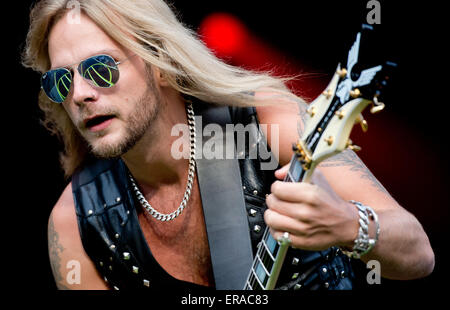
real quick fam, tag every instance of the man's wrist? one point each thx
(352, 228)
(362, 244)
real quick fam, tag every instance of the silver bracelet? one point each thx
(363, 243)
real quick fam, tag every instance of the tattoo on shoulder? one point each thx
(55, 249)
(349, 159)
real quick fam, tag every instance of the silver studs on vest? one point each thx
(125, 256)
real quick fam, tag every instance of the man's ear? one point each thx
(160, 78)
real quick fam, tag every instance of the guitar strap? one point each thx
(222, 197)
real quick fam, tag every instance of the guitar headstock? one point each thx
(331, 116)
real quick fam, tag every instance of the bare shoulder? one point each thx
(71, 267)
(279, 106)
(63, 212)
(283, 121)
(63, 226)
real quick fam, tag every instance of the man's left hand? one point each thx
(315, 217)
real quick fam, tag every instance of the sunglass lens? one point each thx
(100, 70)
(56, 84)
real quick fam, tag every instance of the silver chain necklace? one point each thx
(169, 217)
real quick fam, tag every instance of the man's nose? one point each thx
(83, 91)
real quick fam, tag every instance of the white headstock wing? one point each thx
(353, 54)
(367, 76)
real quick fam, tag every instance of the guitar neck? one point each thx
(269, 258)
(296, 173)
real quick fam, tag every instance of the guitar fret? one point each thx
(254, 283)
(253, 280)
(257, 279)
(289, 177)
(262, 264)
(249, 286)
(266, 234)
(268, 251)
(295, 170)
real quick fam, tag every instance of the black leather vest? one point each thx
(112, 237)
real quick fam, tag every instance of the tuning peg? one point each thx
(329, 140)
(377, 106)
(342, 73)
(355, 93)
(352, 146)
(327, 93)
(340, 114)
(364, 125)
(302, 155)
(296, 147)
(311, 111)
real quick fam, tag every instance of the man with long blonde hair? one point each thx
(117, 77)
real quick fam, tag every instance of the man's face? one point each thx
(111, 120)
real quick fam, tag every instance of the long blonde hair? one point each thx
(150, 29)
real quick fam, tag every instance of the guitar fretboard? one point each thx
(263, 267)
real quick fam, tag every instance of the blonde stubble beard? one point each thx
(138, 123)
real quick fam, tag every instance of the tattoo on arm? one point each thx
(349, 159)
(302, 114)
(55, 249)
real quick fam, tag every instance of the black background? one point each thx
(410, 156)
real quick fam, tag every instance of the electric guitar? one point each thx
(329, 121)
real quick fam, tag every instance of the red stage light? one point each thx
(230, 40)
(223, 33)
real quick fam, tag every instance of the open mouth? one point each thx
(99, 122)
